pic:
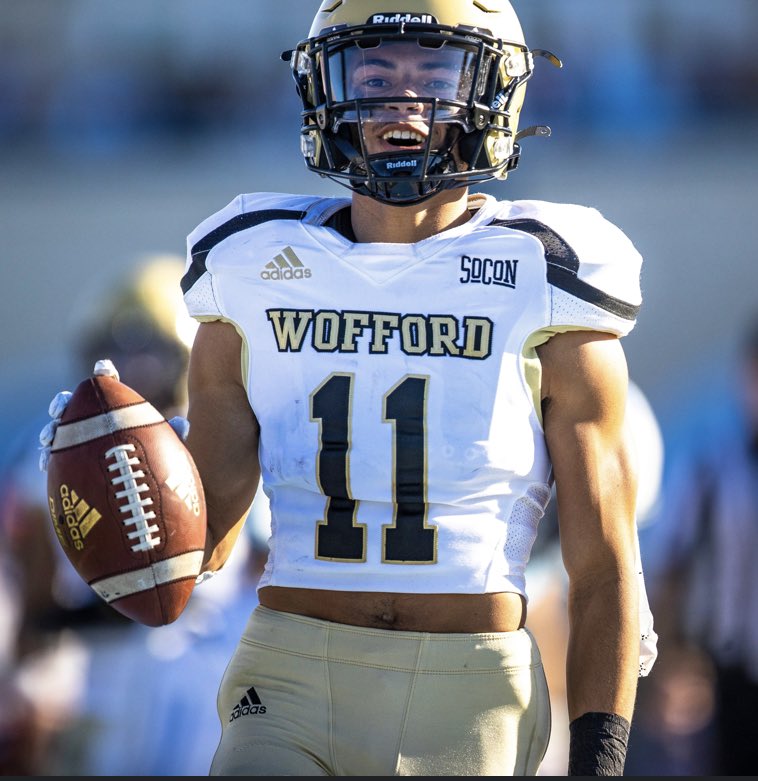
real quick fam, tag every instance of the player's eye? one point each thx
(375, 83)
(441, 86)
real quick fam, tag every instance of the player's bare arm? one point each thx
(584, 396)
(223, 436)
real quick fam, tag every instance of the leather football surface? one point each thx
(126, 501)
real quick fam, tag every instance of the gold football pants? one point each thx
(308, 697)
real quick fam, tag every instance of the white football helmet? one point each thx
(399, 105)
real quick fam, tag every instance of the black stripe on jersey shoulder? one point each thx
(239, 223)
(563, 268)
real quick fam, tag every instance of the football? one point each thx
(126, 501)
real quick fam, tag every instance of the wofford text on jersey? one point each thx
(340, 331)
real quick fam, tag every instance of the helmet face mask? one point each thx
(399, 107)
(377, 71)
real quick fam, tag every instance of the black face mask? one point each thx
(348, 77)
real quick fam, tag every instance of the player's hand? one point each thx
(58, 407)
(181, 426)
(103, 368)
(46, 436)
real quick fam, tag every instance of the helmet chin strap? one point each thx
(388, 181)
(399, 178)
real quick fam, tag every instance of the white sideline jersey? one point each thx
(402, 449)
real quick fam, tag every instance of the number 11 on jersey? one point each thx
(339, 537)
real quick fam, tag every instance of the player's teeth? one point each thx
(404, 135)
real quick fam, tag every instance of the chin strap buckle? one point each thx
(549, 56)
(535, 130)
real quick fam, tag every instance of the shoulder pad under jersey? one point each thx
(593, 268)
(246, 211)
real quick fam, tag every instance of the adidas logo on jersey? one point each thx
(286, 265)
(249, 705)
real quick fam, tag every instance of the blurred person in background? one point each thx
(700, 714)
(20, 737)
(141, 322)
(73, 671)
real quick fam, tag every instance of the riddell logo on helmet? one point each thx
(402, 17)
(499, 103)
(401, 164)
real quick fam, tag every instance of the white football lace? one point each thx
(128, 476)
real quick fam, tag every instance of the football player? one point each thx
(411, 368)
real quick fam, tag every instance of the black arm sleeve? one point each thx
(598, 745)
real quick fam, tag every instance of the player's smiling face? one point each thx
(403, 77)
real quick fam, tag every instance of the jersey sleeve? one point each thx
(197, 283)
(201, 283)
(593, 268)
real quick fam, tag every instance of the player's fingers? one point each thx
(105, 368)
(203, 576)
(181, 426)
(47, 434)
(44, 458)
(59, 404)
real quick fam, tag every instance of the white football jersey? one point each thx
(397, 386)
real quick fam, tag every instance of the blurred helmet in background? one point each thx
(142, 325)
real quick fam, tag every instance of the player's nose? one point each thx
(409, 104)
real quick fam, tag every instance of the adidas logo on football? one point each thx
(286, 265)
(182, 482)
(249, 705)
(78, 517)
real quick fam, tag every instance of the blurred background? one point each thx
(123, 125)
